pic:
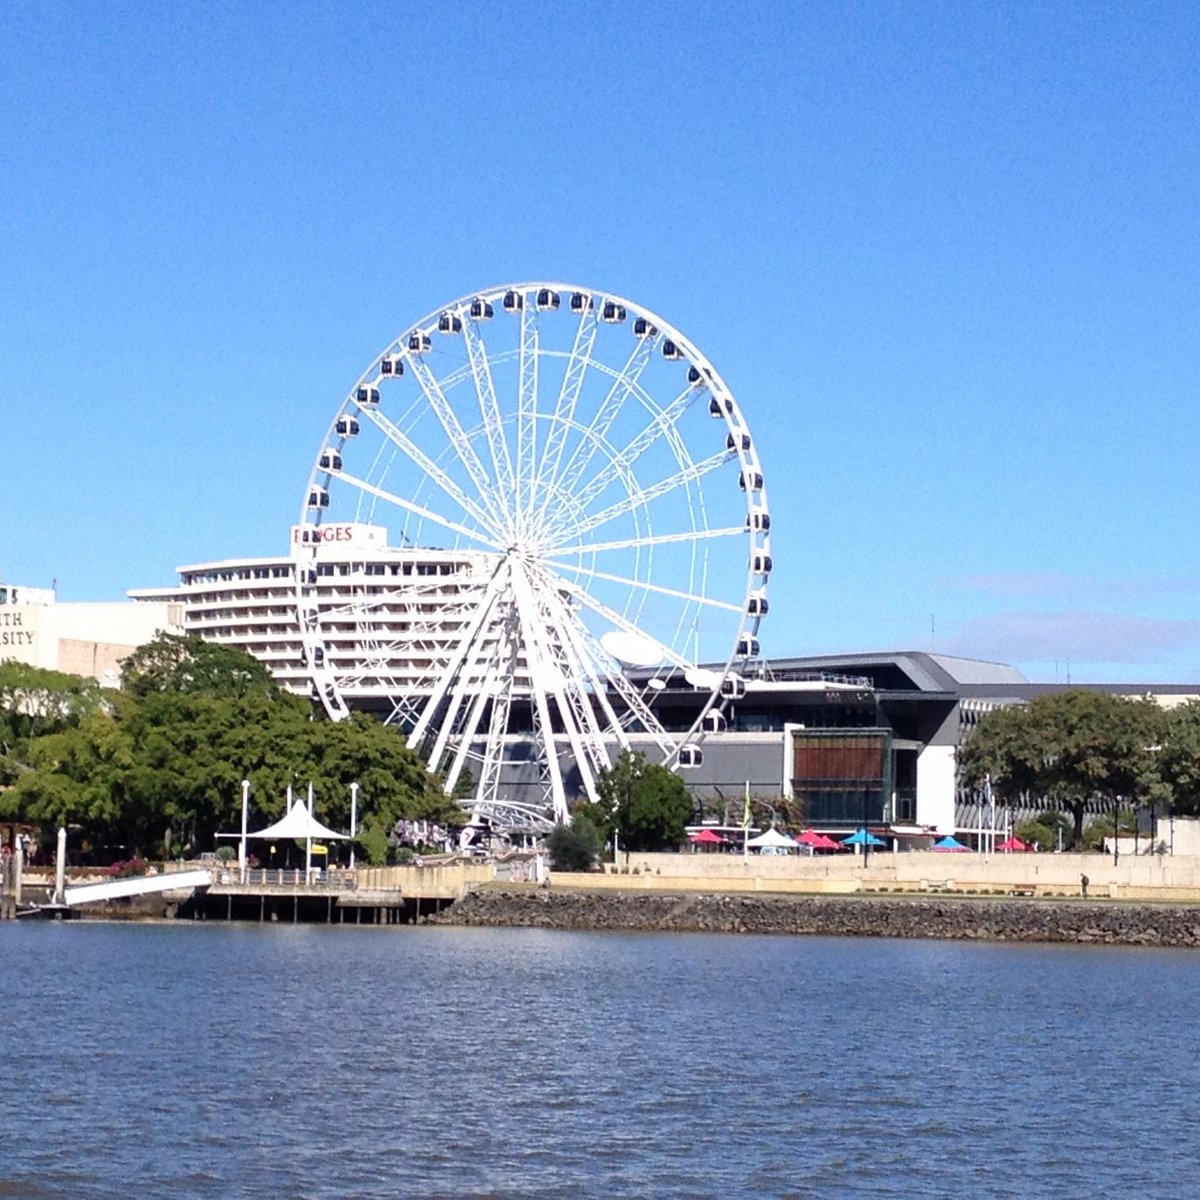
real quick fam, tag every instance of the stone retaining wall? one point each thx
(978, 919)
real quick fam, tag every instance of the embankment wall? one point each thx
(981, 919)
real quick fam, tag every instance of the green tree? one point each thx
(187, 663)
(650, 805)
(574, 847)
(1179, 757)
(1045, 829)
(162, 765)
(1070, 749)
(34, 703)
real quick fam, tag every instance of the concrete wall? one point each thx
(433, 881)
(1148, 876)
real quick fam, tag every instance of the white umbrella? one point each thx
(773, 840)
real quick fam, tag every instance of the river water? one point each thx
(285, 1061)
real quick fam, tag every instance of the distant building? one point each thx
(89, 639)
(388, 614)
(855, 739)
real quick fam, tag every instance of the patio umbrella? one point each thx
(860, 837)
(948, 843)
(772, 839)
(817, 841)
(1013, 843)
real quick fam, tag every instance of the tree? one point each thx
(187, 663)
(1045, 830)
(574, 847)
(650, 805)
(1073, 749)
(1179, 757)
(162, 765)
(35, 702)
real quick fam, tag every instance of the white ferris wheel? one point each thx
(578, 545)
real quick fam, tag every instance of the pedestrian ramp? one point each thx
(142, 885)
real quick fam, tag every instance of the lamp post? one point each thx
(242, 843)
(353, 820)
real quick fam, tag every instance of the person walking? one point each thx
(1083, 885)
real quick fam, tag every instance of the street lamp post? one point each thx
(242, 843)
(353, 820)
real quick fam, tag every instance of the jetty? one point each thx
(363, 896)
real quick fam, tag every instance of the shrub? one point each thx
(129, 869)
(573, 847)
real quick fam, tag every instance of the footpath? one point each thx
(974, 918)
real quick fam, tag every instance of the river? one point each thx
(280, 1061)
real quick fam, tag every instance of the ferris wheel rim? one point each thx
(713, 383)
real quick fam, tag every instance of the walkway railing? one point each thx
(319, 879)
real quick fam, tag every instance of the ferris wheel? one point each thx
(536, 534)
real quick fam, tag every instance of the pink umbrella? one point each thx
(818, 841)
(1013, 843)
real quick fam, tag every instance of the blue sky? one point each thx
(946, 255)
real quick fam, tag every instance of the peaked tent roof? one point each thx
(707, 836)
(860, 837)
(818, 841)
(948, 843)
(1013, 843)
(298, 824)
(772, 838)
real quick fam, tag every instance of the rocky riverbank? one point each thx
(834, 916)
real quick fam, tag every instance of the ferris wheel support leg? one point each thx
(486, 603)
(535, 641)
(473, 667)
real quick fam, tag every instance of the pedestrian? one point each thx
(1083, 884)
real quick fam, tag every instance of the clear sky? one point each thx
(947, 255)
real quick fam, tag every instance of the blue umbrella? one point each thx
(948, 843)
(860, 837)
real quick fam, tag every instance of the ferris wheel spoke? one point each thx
(462, 650)
(416, 509)
(688, 474)
(656, 588)
(468, 675)
(661, 427)
(534, 636)
(457, 436)
(622, 622)
(420, 459)
(581, 457)
(578, 669)
(527, 398)
(689, 535)
(489, 407)
(594, 661)
(563, 418)
(500, 689)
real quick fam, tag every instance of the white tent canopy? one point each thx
(772, 840)
(298, 823)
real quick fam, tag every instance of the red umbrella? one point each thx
(818, 841)
(1013, 843)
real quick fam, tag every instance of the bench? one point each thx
(1023, 890)
(937, 885)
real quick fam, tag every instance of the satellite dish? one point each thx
(703, 680)
(632, 649)
(656, 683)
(548, 677)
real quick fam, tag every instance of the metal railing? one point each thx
(318, 879)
